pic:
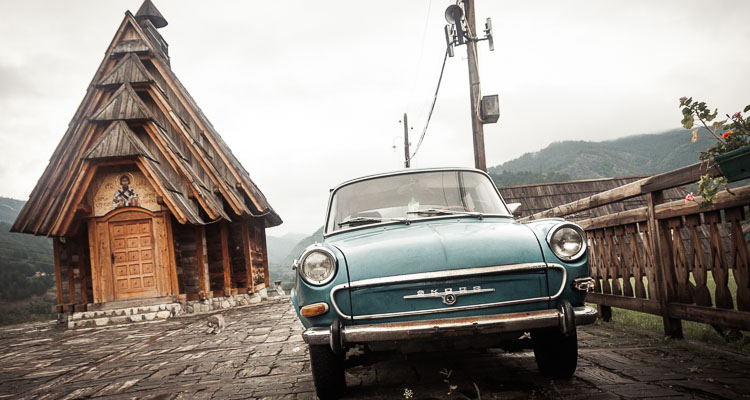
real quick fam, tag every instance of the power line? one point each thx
(432, 107)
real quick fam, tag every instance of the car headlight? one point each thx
(567, 241)
(317, 266)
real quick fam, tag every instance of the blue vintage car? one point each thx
(434, 256)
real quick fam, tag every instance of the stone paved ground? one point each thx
(260, 355)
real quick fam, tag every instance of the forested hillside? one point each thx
(632, 155)
(27, 272)
(282, 269)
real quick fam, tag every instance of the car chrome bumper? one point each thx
(447, 327)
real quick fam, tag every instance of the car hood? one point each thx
(438, 246)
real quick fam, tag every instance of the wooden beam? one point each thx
(662, 265)
(96, 281)
(200, 261)
(679, 177)
(82, 273)
(615, 219)
(248, 254)
(628, 303)
(740, 197)
(58, 272)
(71, 276)
(225, 256)
(623, 192)
(711, 315)
(174, 283)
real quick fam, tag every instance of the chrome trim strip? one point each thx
(449, 296)
(449, 326)
(452, 274)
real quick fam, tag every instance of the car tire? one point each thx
(556, 353)
(327, 372)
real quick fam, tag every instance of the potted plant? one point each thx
(731, 150)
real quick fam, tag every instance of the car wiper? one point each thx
(442, 211)
(362, 220)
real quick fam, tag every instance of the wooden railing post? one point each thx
(662, 265)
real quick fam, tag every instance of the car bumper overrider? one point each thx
(337, 336)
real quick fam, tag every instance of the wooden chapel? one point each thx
(142, 197)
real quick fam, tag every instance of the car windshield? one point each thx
(407, 197)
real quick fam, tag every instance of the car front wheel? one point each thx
(556, 353)
(327, 372)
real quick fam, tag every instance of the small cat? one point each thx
(216, 324)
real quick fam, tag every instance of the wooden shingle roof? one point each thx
(136, 108)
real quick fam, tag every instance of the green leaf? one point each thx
(687, 123)
(747, 108)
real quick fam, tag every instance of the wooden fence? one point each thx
(672, 259)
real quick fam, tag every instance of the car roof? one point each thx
(405, 171)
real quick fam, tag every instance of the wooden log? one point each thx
(82, 273)
(710, 315)
(248, 255)
(200, 261)
(741, 197)
(619, 218)
(623, 192)
(71, 274)
(628, 303)
(678, 177)
(173, 281)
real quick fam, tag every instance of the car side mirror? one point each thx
(513, 207)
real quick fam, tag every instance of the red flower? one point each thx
(727, 134)
(689, 197)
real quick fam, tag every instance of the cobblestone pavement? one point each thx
(260, 355)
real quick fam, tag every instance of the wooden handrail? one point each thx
(667, 180)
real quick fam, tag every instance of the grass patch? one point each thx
(691, 330)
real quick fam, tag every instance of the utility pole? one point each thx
(477, 126)
(407, 162)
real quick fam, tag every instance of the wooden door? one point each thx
(133, 259)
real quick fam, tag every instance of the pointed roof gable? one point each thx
(124, 104)
(129, 69)
(148, 11)
(117, 141)
(188, 160)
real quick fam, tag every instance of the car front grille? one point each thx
(468, 291)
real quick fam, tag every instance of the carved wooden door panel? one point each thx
(133, 259)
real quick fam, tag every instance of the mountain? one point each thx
(9, 209)
(27, 272)
(279, 247)
(283, 269)
(631, 155)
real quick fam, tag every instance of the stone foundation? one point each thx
(220, 303)
(91, 319)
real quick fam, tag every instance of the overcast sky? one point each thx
(310, 93)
